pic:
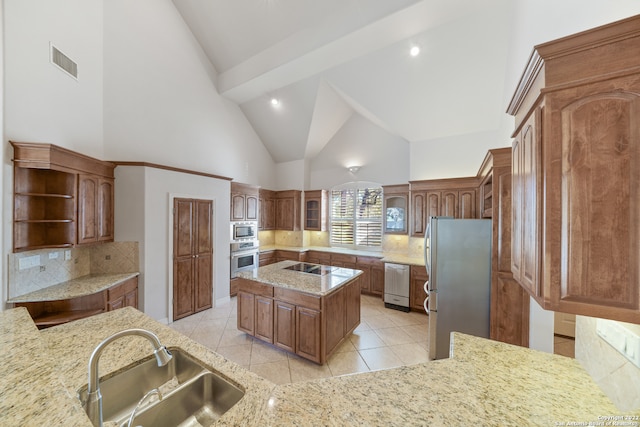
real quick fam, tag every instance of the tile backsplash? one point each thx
(49, 267)
(615, 374)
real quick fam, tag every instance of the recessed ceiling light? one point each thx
(275, 101)
(415, 51)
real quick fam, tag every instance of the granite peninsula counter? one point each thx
(305, 309)
(485, 383)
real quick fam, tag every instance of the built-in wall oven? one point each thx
(244, 256)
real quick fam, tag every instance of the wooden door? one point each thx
(87, 209)
(238, 203)
(308, 332)
(564, 324)
(529, 214)
(105, 210)
(192, 256)
(334, 312)
(285, 326)
(251, 212)
(284, 214)
(246, 312)
(517, 208)
(418, 217)
(449, 204)
(467, 204)
(264, 318)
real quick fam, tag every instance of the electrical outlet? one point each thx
(53, 255)
(621, 338)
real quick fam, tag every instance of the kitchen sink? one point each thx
(200, 402)
(123, 391)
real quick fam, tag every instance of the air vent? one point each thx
(65, 63)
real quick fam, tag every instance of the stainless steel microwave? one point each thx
(243, 231)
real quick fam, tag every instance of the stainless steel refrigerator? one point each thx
(458, 261)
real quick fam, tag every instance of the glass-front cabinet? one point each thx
(315, 210)
(396, 204)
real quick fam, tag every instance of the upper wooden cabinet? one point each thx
(575, 217)
(288, 210)
(315, 210)
(95, 209)
(396, 208)
(61, 198)
(266, 210)
(244, 202)
(456, 197)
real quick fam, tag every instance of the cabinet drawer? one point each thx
(370, 261)
(255, 288)
(342, 258)
(297, 298)
(122, 289)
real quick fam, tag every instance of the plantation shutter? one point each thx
(356, 217)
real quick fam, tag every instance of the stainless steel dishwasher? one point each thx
(396, 286)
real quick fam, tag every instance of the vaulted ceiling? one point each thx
(327, 60)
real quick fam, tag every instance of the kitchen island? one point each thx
(305, 309)
(485, 382)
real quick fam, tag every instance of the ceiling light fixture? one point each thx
(275, 101)
(414, 51)
(353, 169)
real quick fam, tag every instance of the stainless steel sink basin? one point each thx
(198, 403)
(122, 391)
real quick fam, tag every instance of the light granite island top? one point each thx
(485, 383)
(280, 276)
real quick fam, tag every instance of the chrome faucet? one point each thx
(139, 405)
(93, 406)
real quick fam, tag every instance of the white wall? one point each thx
(453, 157)
(540, 328)
(143, 213)
(382, 157)
(42, 103)
(161, 104)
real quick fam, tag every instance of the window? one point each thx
(356, 215)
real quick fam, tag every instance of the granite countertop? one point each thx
(485, 383)
(314, 284)
(392, 257)
(81, 286)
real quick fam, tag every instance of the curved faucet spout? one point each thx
(94, 398)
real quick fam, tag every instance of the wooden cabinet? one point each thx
(418, 276)
(288, 210)
(310, 326)
(396, 209)
(123, 295)
(95, 209)
(318, 257)
(61, 198)
(372, 279)
(456, 197)
(244, 202)
(264, 318)
(267, 210)
(282, 255)
(267, 258)
(343, 260)
(192, 257)
(509, 301)
(576, 220)
(315, 210)
(51, 313)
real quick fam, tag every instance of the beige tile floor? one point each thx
(385, 339)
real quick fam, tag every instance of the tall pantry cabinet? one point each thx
(576, 173)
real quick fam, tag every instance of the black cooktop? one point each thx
(305, 267)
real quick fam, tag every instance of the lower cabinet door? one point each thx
(246, 312)
(307, 332)
(285, 325)
(264, 319)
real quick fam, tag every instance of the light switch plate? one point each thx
(624, 340)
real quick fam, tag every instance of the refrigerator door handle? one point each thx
(425, 304)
